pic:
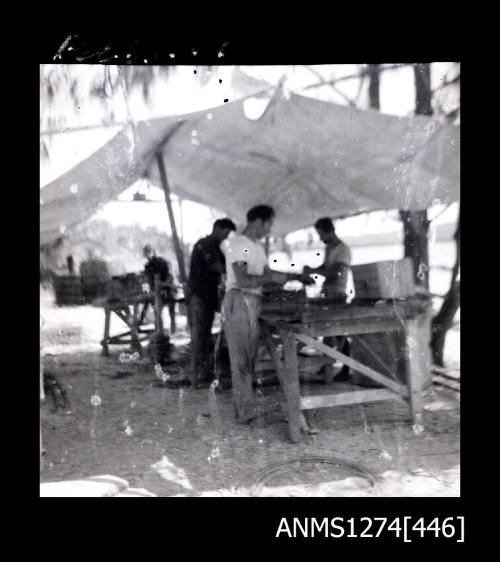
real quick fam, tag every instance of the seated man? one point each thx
(158, 265)
(335, 269)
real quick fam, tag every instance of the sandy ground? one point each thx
(121, 420)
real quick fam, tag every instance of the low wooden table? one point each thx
(131, 311)
(311, 319)
(130, 305)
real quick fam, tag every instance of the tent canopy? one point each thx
(306, 158)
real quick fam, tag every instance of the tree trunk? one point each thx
(443, 320)
(416, 223)
(374, 86)
(416, 243)
(423, 91)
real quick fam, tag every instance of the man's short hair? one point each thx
(225, 223)
(263, 212)
(325, 224)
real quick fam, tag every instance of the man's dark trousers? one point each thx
(201, 317)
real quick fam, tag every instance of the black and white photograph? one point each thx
(249, 278)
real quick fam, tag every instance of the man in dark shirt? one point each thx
(204, 286)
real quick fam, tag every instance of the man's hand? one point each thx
(306, 279)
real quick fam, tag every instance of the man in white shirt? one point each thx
(247, 273)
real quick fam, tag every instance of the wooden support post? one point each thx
(415, 376)
(104, 343)
(145, 307)
(282, 376)
(134, 339)
(291, 385)
(328, 370)
(166, 189)
(158, 306)
(172, 313)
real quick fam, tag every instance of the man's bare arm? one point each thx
(330, 271)
(247, 281)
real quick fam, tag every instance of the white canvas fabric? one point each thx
(306, 158)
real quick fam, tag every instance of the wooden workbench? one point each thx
(130, 304)
(308, 320)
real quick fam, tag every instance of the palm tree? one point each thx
(69, 87)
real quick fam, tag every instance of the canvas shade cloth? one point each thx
(306, 158)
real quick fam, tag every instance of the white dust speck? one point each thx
(385, 455)
(95, 400)
(169, 471)
(418, 429)
(160, 374)
(429, 129)
(127, 358)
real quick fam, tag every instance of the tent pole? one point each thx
(181, 221)
(166, 189)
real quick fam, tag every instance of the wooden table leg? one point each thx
(171, 312)
(414, 373)
(278, 365)
(134, 324)
(145, 307)
(328, 369)
(291, 386)
(104, 343)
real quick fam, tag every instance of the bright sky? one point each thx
(185, 92)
